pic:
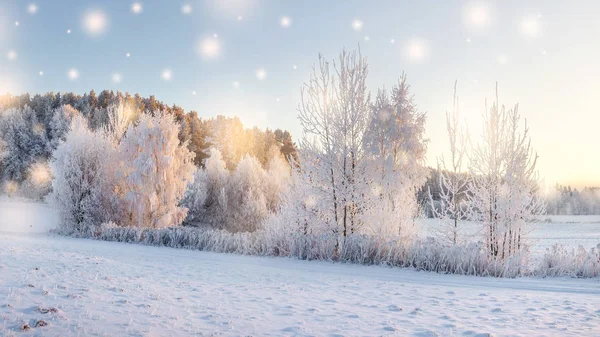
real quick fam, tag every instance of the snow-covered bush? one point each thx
(79, 167)
(194, 198)
(153, 172)
(580, 262)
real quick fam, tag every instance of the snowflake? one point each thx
(477, 15)
(416, 50)
(167, 74)
(136, 8)
(73, 74)
(41, 73)
(116, 78)
(285, 21)
(209, 47)
(236, 84)
(357, 25)
(261, 74)
(193, 92)
(32, 8)
(531, 27)
(16, 23)
(11, 55)
(127, 55)
(68, 31)
(186, 9)
(294, 67)
(95, 22)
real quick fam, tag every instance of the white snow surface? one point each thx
(116, 289)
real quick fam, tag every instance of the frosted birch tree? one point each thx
(452, 180)
(503, 193)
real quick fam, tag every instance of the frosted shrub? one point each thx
(153, 172)
(78, 166)
(580, 262)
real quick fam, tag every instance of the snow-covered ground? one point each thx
(115, 289)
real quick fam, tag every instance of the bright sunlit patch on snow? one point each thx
(117, 78)
(477, 15)
(32, 8)
(531, 27)
(11, 55)
(285, 22)
(166, 74)
(95, 22)
(357, 25)
(136, 8)
(416, 50)
(186, 9)
(261, 74)
(73, 74)
(209, 47)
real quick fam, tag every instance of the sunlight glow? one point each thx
(39, 174)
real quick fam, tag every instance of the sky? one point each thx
(250, 58)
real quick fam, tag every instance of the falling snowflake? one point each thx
(277, 99)
(186, 9)
(194, 92)
(392, 41)
(477, 15)
(73, 74)
(294, 67)
(127, 55)
(261, 74)
(32, 8)
(240, 18)
(503, 59)
(468, 40)
(166, 74)
(357, 25)
(68, 31)
(16, 23)
(367, 38)
(95, 23)
(116, 78)
(416, 50)
(531, 27)
(209, 48)
(236, 84)
(285, 21)
(136, 8)
(11, 55)
(41, 73)
(544, 52)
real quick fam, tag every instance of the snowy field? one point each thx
(93, 288)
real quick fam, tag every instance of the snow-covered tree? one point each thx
(246, 199)
(503, 193)
(334, 112)
(452, 181)
(153, 172)
(395, 148)
(60, 124)
(79, 167)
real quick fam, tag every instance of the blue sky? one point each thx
(544, 54)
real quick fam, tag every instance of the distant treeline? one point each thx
(31, 127)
